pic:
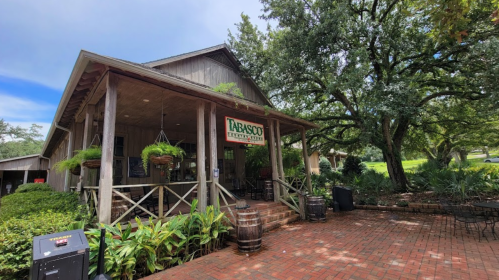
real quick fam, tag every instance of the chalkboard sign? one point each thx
(136, 169)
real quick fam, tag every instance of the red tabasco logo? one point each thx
(240, 131)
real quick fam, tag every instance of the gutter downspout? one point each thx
(70, 148)
(48, 171)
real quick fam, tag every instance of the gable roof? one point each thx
(232, 62)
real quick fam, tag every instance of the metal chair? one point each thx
(467, 216)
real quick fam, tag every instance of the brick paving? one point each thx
(360, 244)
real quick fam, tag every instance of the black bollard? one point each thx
(100, 262)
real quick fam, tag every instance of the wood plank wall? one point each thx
(209, 72)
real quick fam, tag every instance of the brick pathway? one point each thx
(355, 245)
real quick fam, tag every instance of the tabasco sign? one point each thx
(240, 131)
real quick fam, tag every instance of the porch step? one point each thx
(273, 215)
(277, 224)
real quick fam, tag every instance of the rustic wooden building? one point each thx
(21, 170)
(124, 104)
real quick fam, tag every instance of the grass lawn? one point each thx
(475, 158)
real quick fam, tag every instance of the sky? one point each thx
(40, 42)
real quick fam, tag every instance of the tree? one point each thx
(17, 141)
(366, 71)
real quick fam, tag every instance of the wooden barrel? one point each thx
(249, 230)
(316, 206)
(268, 191)
(119, 206)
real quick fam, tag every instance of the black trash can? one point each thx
(343, 197)
(62, 255)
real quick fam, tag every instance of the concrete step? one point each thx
(273, 210)
(276, 224)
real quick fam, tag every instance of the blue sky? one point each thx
(40, 41)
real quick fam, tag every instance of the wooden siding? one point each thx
(30, 163)
(56, 180)
(209, 72)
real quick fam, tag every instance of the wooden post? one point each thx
(213, 154)
(25, 180)
(306, 159)
(67, 180)
(273, 160)
(87, 139)
(106, 168)
(160, 203)
(279, 151)
(301, 204)
(202, 196)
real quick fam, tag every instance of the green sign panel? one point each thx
(240, 131)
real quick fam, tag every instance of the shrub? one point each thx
(158, 245)
(33, 187)
(352, 166)
(372, 183)
(19, 204)
(230, 88)
(402, 203)
(371, 201)
(324, 192)
(16, 236)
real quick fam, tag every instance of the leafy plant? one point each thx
(402, 203)
(159, 149)
(94, 152)
(229, 88)
(371, 201)
(17, 205)
(325, 193)
(33, 187)
(16, 237)
(352, 166)
(67, 164)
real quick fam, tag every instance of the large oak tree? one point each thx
(368, 70)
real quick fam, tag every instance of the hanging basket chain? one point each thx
(162, 136)
(96, 136)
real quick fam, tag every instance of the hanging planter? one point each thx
(91, 157)
(76, 171)
(161, 153)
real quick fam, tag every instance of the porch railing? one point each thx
(90, 194)
(287, 197)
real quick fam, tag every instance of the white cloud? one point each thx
(14, 109)
(42, 39)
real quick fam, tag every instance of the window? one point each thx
(229, 164)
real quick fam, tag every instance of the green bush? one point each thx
(326, 193)
(352, 166)
(372, 183)
(158, 245)
(19, 204)
(16, 236)
(402, 203)
(33, 187)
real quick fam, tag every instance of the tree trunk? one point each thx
(396, 172)
(463, 155)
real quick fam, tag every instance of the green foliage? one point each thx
(324, 192)
(352, 166)
(94, 152)
(372, 183)
(292, 162)
(19, 204)
(160, 149)
(229, 88)
(372, 154)
(33, 187)
(16, 237)
(257, 157)
(157, 246)
(17, 141)
(370, 71)
(402, 203)
(324, 166)
(67, 164)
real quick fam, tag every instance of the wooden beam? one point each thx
(92, 75)
(213, 154)
(87, 138)
(306, 159)
(82, 87)
(279, 150)
(273, 160)
(82, 82)
(202, 196)
(70, 155)
(106, 168)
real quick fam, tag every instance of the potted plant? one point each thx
(316, 204)
(73, 165)
(161, 153)
(91, 157)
